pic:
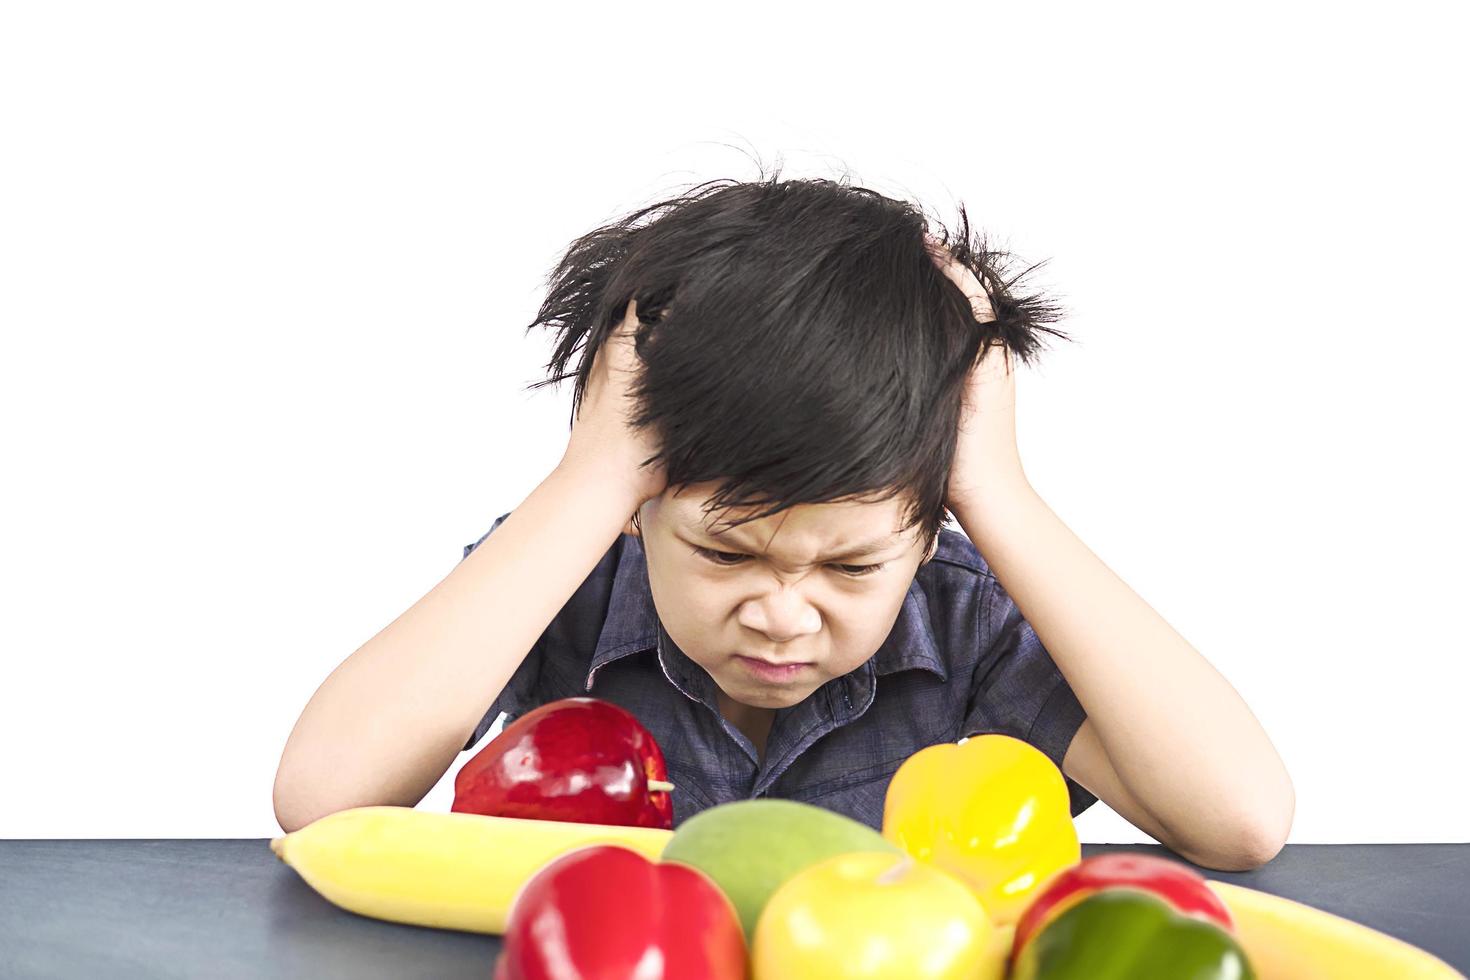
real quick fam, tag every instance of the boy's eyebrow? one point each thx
(856, 551)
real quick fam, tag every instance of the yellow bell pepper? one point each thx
(993, 811)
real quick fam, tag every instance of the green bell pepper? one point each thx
(1126, 934)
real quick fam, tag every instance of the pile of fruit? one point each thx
(560, 839)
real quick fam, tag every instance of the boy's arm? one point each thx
(1168, 743)
(386, 724)
(1165, 734)
(390, 719)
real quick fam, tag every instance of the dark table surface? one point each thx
(120, 909)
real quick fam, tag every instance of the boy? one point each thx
(781, 396)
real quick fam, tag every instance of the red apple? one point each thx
(606, 911)
(1181, 887)
(583, 760)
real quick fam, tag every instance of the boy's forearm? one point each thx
(390, 719)
(1177, 734)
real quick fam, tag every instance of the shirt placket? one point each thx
(698, 686)
(795, 729)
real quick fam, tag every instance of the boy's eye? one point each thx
(721, 557)
(729, 558)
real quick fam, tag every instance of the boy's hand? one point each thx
(986, 454)
(603, 444)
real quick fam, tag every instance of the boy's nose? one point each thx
(781, 614)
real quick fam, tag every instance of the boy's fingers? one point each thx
(962, 277)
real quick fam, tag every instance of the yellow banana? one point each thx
(444, 870)
(1286, 940)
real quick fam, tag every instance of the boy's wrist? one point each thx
(973, 491)
(599, 476)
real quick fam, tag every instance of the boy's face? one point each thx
(784, 589)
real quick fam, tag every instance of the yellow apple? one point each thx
(868, 914)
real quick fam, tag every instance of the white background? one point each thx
(265, 268)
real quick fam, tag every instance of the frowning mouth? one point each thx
(766, 670)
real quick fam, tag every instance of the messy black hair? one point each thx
(797, 342)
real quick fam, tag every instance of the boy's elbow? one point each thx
(292, 814)
(289, 815)
(1270, 827)
(1257, 842)
(301, 800)
(1259, 848)
(287, 824)
(294, 809)
(1247, 855)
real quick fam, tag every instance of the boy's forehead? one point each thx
(839, 522)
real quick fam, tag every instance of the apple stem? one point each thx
(659, 786)
(897, 871)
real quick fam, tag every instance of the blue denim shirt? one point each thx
(960, 660)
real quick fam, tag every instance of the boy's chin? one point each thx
(774, 698)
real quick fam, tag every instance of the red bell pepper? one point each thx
(606, 912)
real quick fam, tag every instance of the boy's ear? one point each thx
(933, 547)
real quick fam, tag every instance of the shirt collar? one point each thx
(632, 626)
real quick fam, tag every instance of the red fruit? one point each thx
(582, 760)
(1171, 881)
(604, 912)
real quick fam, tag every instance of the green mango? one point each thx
(750, 847)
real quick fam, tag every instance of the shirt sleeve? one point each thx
(1019, 691)
(520, 693)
